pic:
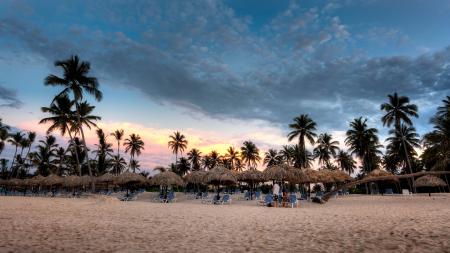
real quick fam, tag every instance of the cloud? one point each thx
(8, 98)
(203, 57)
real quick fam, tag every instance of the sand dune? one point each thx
(103, 224)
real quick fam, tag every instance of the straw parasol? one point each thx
(2, 182)
(130, 178)
(72, 181)
(195, 177)
(340, 176)
(52, 180)
(429, 181)
(220, 175)
(106, 178)
(380, 173)
(251, 177)
(36, 180)
(14, 182)
(87, 180)
(279, 173)
(166, 178)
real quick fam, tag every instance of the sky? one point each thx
(223, 72)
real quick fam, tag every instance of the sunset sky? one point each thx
(223, 72)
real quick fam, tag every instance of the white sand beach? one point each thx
(104, 224)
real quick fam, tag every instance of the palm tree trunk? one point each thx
(87, 158)
(12, 164)
(76, 151)
(413, 188)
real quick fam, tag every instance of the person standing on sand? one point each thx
(275, 192)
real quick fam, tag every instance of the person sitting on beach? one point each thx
(275, 192)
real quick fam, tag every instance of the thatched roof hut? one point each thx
(15, 182)
(2, 182)
(130, 178)
(106, 178)
(220, 175)
(72, 181)
(306, 176)
(251, 176)
(340, 176)
(279, 173)
(52, 179)
(166, 178)
(195, 177)
(429, 181)
(87, 180)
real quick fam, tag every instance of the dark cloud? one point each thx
(206, 59)
(8, 98)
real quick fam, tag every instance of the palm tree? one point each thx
(443, 111)
(134, 145)
(363, 142)
(215, 158)
(118, 164)
(134, 165)
(398, 110)
(207, 163)
(3, 135)
(298, 156)
(177, 143)
(44, 156)
(233, 157)
(118, 134)
(403, 141)
(287, 154)
(60, 160)
(30, 140)
(272, 157)
(303, 127)
(326, 148)
(104, 150)
(346, 162)
(62, 119)
(250, 154)
(194, 157)
(15, 140)
(182, 167)
(76, 81)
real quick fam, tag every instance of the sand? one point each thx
(104, 224)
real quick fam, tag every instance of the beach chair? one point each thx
(319, 194)
(210, 200)
(170, 198)
(293, 200)
(405, 192)
(388, 191)
(226, 199)
(258, 195)
(247, 195)
(268, 199)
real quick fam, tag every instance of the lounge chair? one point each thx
(319, 194)
(226, 199)
(268, 199)
(293, 200)
(212, 200)
(388, 191)
(247, 195)
(257, 195)
(170, 198)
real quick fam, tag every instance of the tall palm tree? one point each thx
(437, 145)
(298, 156)
(60, 160)
(303, 127)
(444, 110)
(194, 157)
(207, 162)
(30, 140)
(182, 167)
(104, 150)
(326, 148)
(45, 154)
(15, 140)
(215, 158)
(272, 157)
(134, 145)
(63, 119)
(118, 134)
(233, 157)
(134, 165)
(398, 110)
(250, 154)
(177, 143)
(76, 81)
(346, 162)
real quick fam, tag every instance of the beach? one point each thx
(345, 224)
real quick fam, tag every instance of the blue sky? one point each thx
(227, 71)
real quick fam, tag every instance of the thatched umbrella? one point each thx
(52, 180)
(87, 180)
(106, 178)
(251, 177)
(220, 175)
(166, 179)
(339, 176)
(377, 173)
(429, 181)
(279, 173)
(36, 180)
(128, 179)
(195, 177)
(72, 181)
